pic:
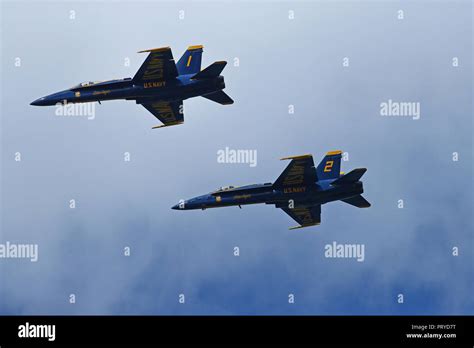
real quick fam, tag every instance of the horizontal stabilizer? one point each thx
(357, 201)
(351, 177)
(219, 97)
(211, 71)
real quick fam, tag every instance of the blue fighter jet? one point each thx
(160, 85)
(300, 190)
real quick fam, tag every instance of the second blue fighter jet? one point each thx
(299, 191)
(160, 85)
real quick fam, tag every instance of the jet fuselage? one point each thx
(180, 88)
(300, 190)
(160, 86)
(320, 193)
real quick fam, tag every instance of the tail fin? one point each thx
(351, 177)
(211, 71)
(190, 62)
(330, 166)
(219, 97)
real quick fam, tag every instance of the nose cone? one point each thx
(53, 99)
(182, 204)
(193, 203)
(39, 102)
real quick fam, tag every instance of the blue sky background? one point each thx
(282, 62)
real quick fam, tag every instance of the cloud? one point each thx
(281, 62)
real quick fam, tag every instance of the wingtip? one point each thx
(302, 226)
(167, 125)
(159, 49)
(296, 157)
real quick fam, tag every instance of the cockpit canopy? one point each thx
(224, 188)
(86, 84)
(109, 84)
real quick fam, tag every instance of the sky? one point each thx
(334, 63)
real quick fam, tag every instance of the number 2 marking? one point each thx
(328, 166)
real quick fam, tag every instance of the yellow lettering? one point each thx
(294, 189)
(304, 214)
(295, 175)
(154, 84)
(328, 166)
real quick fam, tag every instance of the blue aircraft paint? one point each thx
(300, 190)
(159, 85)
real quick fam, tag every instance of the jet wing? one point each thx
(159, 65)
(300, 171)
(305, 216)
(170, 113)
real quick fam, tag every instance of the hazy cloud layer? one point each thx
(281, 62)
